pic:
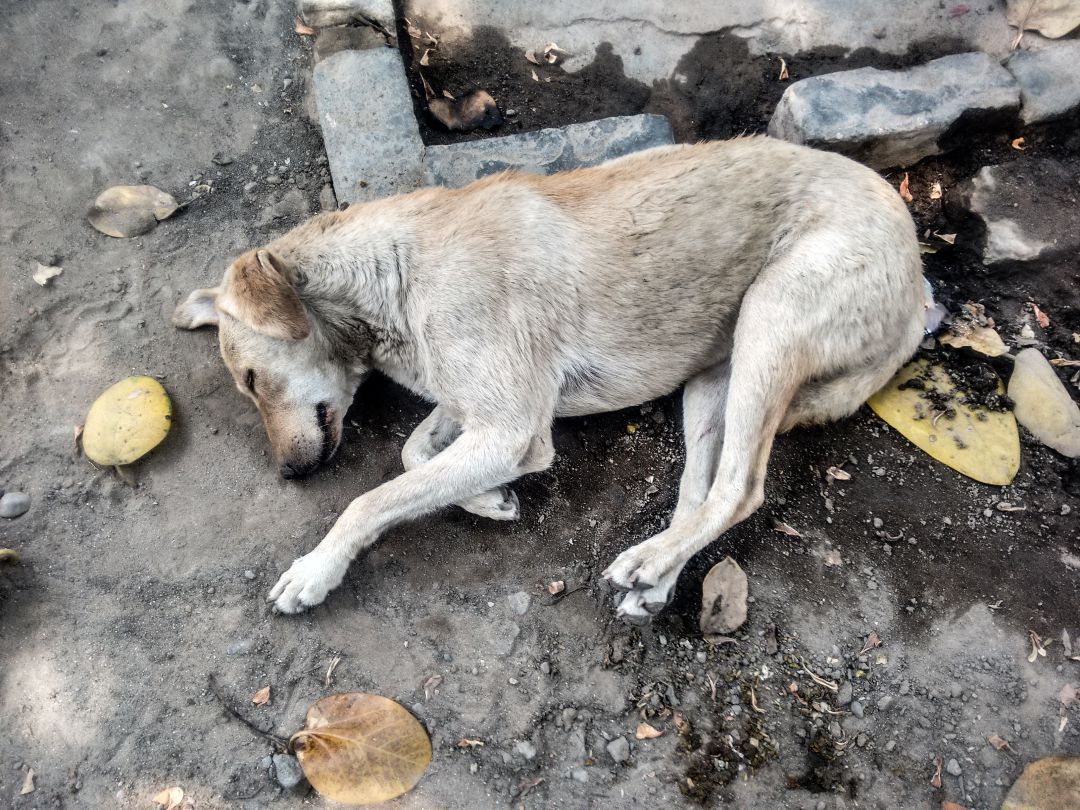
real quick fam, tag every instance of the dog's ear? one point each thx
(258, 294)
(198, 309)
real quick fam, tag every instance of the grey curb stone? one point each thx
(324, 13)
(545, 151)
(1049, 81)
(893, 117)
(369, 129)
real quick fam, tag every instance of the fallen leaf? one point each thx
(1063, 363)
(471, 110)
(949, 238)
(1051, 18)
(905, 193)
(965, 334)
(1018, 144)
(412, 30)
(1066, 643)
(535, 78)
(838, 474)
(872, 641)
(424, 59)
(1050, 783)
(45, 273)
(169, 798)
(832, 558)
(784, 75)
(935, 191)
(1005, 506)
(783, 528)
(1037, 648)
(9, 555)
(1068, 694)
(1040, 316)
(935, 781)
(302, 28)
(429, 92)
(723, 598)
(1043, 405)
(647, 732)
(127, 421)
(125, 211)
(77, 432)
(465, 742)
(982, 444)
(998, 743)
(552, 53)
(361, 749)
(430, 685)
(28, 782)
(530, 55)
(556, 586)
(262, 697)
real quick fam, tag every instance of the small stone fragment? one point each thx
(619, 750)
(525, 749)
(14, 504)
(519, 602)
(953, 768)
(287, 771)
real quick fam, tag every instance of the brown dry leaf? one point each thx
(935, 191)
(1040, 316)
(556, 586)
(412, 30)
(28, 783)
(361, 749)
(430, 685)
(169, 798)
(1050, 783)
(935, 781)
(125, 211)
(837, 474)
(1018, 144)
(9, 555)
(302, 28)
(535, 78)
(424, 59)
(950, 238)
(262, 697)
(46, 273)
(723, 598)
(1051, 18)
(905, 192)
(1061, 362)
(1037, 647)
(983, 339)
(873, 640)
(530, 55)
(783, 528)
(784, 75)
(1068, 694)
(952, 806)
(448, 94)
(465, 742)
(429, 93)
(833, 559)
(77, 432)
(997, 742)
(647, 732)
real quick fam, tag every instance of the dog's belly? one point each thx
(591, 387)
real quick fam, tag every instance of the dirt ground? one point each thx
(128, 599)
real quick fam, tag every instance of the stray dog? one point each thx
(782, 285)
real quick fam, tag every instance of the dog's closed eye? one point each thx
(249, 380)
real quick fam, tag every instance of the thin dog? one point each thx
(782, 285)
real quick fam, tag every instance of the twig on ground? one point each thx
(279, 743)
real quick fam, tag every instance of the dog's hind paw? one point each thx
(500, 503)
(307, 582)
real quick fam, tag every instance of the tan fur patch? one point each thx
(258, 294)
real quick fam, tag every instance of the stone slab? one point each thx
(324, 13)
(346, 38)
(1049, 81)
(893, 117)
(369, 128)
(1023, 209)
(547, 150)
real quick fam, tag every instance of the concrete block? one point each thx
(324, 13)
(893, 117)
(545, 151)
(1049, 81)
(369, 127)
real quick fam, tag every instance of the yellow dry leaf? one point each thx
(262, 697)
(979, 443)
(169, 798)
(127, 421)
(647, 732)
(302, 28)
(124, 211)
(982, 339)
(361, 749)
(1051, 18)
(8, 555)
(28, 783)
(784, 75)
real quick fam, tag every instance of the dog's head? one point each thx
(278, 357)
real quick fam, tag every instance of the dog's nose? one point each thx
(288, 472)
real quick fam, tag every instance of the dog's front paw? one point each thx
(636, 568)
(307, 582)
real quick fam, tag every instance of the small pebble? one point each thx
(525, 749)
(619, 749)
(953, 767)
(545, 667)
(857, 708)
(890, 745)
(287, 771)
(249, 574)
(580, 775)
(14, 504)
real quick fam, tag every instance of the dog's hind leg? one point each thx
(435, 434)
(704, 401)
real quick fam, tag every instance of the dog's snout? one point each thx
(289, 472)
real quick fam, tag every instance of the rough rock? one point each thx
(519, 602)
(545, 151)
(619, 749)
(13, 504)
(287, 771)
(525, 749)
(290, 209)
(1049, 83)
(893, 117)
(323, 13)
(1043, 405)
(371, 135)
(1024, 209)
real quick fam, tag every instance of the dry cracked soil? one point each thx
(129, 598)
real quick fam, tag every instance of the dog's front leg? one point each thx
(481, 458)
